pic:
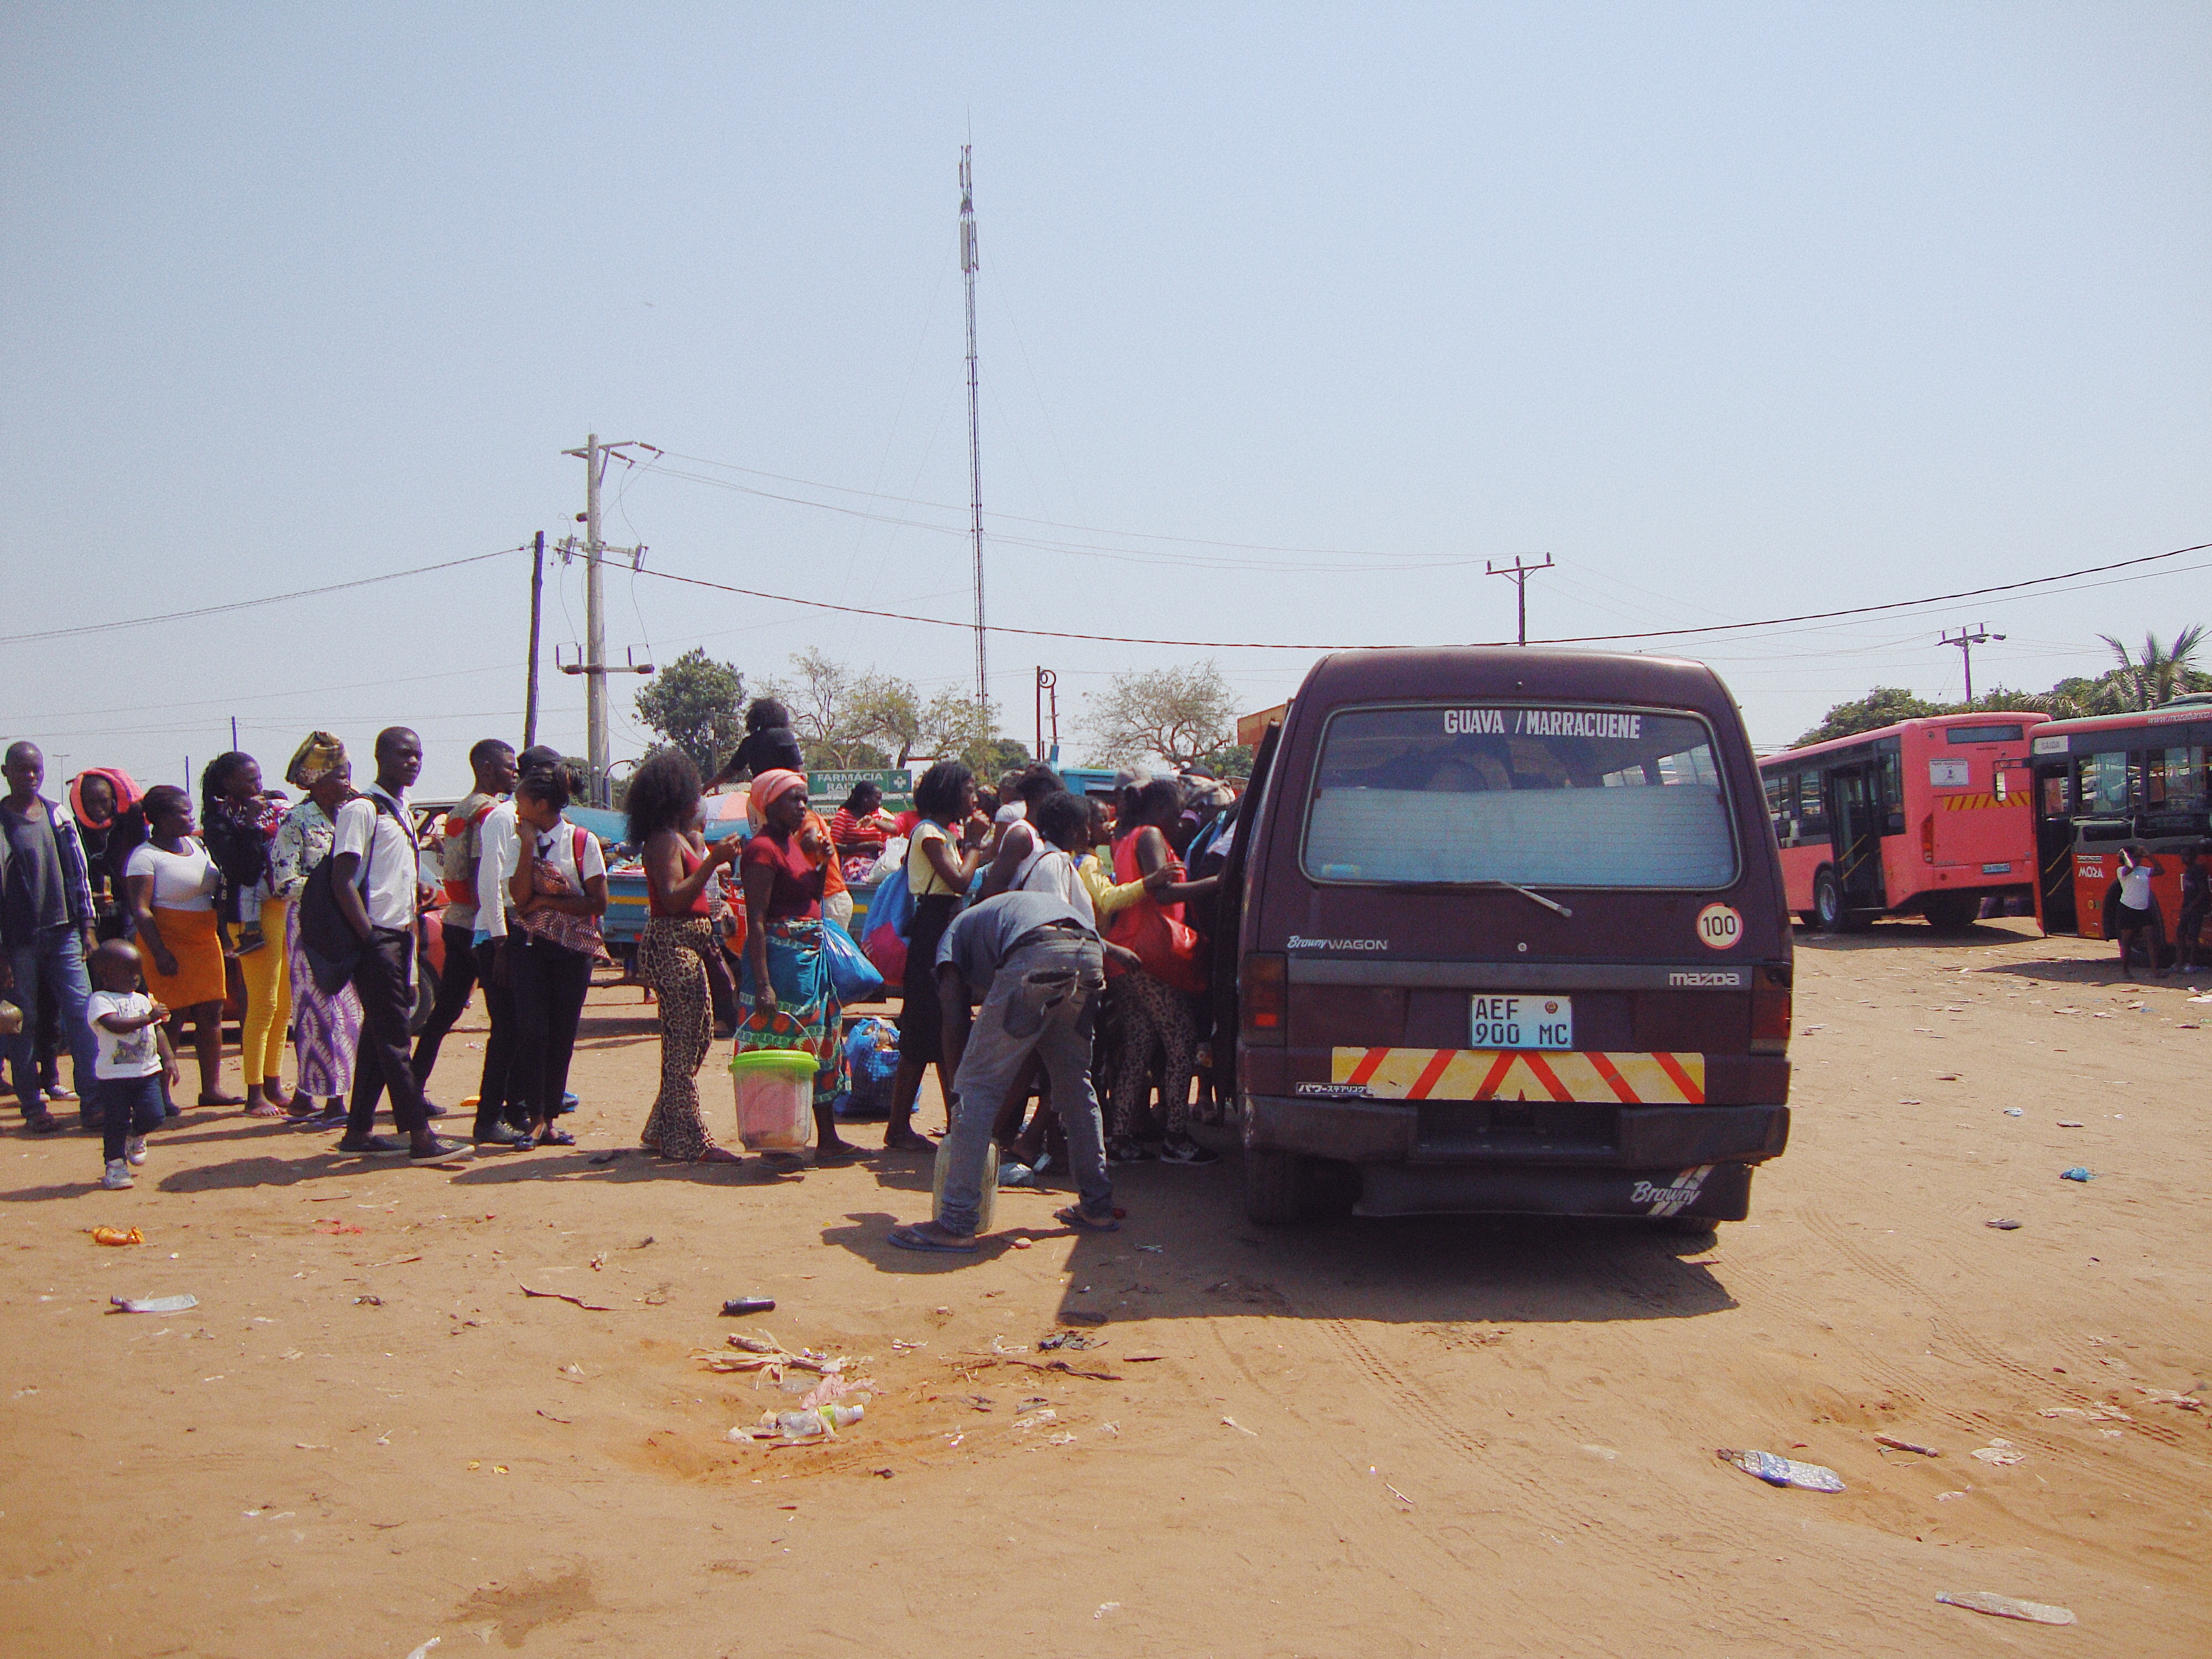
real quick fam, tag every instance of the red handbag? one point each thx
(1169, 947)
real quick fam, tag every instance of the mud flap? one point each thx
(1712, 1192)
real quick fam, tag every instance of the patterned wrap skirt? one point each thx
(325, 1025)
(807, 1012)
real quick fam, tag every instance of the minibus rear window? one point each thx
(1452, 794)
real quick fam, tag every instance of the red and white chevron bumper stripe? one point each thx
(1587, 1075)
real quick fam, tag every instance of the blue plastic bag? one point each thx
(854, 976)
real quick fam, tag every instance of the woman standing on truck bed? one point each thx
(1153, 1005)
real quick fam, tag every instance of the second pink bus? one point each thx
(1925, 817)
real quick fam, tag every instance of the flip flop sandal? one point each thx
(913, 1238)
(1073, 1217)
(556, 1138)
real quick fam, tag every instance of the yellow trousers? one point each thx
(268, 997)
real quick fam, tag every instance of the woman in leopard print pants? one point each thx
(679, 933)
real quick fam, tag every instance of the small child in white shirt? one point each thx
(134, 1057)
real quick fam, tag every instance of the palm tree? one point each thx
(2156, 675)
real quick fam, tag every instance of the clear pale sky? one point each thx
(1736, 310)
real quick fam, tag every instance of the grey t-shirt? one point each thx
(34, 896)
(982, 935)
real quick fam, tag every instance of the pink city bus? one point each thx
(1927, 816)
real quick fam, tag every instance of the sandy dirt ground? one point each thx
(1441, 1437)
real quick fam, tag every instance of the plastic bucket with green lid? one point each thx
(774, 1090)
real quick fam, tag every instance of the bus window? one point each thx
(2058, 796)
(2101, 783)
(1812, 810)
(1893, 790)
(2175, 778)
(1778, 787)
(1982, 733)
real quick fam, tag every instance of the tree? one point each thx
(2160, 674)
(1883, 706)
(698, 705)
(839, 713)
(1176, 714)
(1227, 760)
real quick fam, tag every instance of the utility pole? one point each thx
(968, 264)
(1520, 572)
(594, 666)
(233, 733)
(1967, 642)
(1047, 698)
(536, 597)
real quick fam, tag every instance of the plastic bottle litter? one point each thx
(2003, 1224)
(2077, 1173)
(115, 1235)
(2006, 1606)
(156, 1304)
(812, 1423)
(749, 1304)
(1783, 1471)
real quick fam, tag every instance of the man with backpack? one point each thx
(376, 881)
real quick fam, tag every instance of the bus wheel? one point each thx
(1274, 1187)
(1950, 912)
(1686, 1226)
(1828, 912)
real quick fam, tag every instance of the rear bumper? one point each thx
(1459, 1159)
(1624, 1137)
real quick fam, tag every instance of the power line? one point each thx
(1576, 639)
(44, 633)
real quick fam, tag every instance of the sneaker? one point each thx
(135, 1150)
(431, 1108)
(1187, 1151)
(504, 1135)
(117, 1176)
(42, 1123)
(372, 1147)
(442, 1151)
(1126, 1152)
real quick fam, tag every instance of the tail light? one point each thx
(1928, 839)
(1263, 998)
(1770, 1012)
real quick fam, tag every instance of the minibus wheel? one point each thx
(1275, 1187)
(1950, 912)
(1828, 912)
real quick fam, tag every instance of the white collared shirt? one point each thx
(498, 857)
(384, 843)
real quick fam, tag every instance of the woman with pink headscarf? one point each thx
(786, 998)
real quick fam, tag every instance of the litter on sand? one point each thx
(2188, 1403)
(805, 1426)
(1783, 1471)
(2000, 1452)
(1232, 1423)
(1895, 1445)
(2003, 1224)
(2077, 1173)
(748, 1304)
(115, 1235)
(2006, 1606)
(557, 1296)
(154, 1304)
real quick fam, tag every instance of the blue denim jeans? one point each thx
(1041, 1001)
(51, 965)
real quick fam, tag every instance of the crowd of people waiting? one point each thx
(119, 913)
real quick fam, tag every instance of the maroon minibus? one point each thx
(1506, 932)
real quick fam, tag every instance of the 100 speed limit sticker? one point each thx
(1720, 926)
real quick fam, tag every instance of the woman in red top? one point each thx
(1150, 1013)
(679, 936)
(786, 998)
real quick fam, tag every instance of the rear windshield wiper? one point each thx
(1516, 887)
